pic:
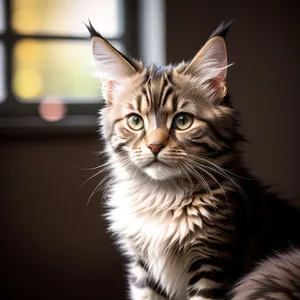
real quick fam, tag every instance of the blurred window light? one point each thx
(66, 17)
(55, 68)
(52, 109)
(49, 72)
(46, 65)
(2, 24)
(2, 74)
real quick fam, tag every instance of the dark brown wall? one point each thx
(54, 246)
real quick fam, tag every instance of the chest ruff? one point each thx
(167, 227)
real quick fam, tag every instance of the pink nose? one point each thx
(156, 148)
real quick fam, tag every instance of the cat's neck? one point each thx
(140, 191)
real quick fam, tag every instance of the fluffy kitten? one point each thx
(185, 212)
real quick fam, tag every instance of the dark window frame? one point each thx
(17, 117)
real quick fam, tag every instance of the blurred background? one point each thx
(53, 240)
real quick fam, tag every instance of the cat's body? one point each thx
(187, 215)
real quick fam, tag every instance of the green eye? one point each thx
(182, 121)
(135, 122)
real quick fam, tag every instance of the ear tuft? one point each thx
(111, 63)
(93, 32)
(222, 29)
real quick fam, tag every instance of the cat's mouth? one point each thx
(156, 162)
(159, 170)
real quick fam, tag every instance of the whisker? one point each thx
(181, 167)
(199, 177)
(96, 174)
(223, 191)
(92, 169)
(109, 166)
(221, 172)
(220, 168)
(96, 189)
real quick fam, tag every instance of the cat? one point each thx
(190, 219)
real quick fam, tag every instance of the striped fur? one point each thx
(177, 199)
(277, 278)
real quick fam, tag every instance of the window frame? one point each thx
(18, 117)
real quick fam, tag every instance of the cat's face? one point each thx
(167, 122)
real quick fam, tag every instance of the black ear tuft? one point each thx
(93, 32)
(221, 30)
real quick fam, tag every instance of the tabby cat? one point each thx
(190, 219)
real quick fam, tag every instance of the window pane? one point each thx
(2, 74)
(2, 26)
(66, 17)
(55, 68)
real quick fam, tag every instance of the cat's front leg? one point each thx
(207, 282)
(141, 285)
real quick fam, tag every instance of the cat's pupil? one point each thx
(135, 120)
(182, 120)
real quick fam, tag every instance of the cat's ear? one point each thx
(210, 64)
(111, 64)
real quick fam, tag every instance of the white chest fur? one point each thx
(142, 215)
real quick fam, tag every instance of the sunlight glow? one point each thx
(28, 83)
(66, 17)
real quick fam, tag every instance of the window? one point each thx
(46, 63)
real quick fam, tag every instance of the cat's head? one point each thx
(169, 121)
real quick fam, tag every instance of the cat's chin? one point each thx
(159, 171)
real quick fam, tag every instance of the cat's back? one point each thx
(277, 277)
